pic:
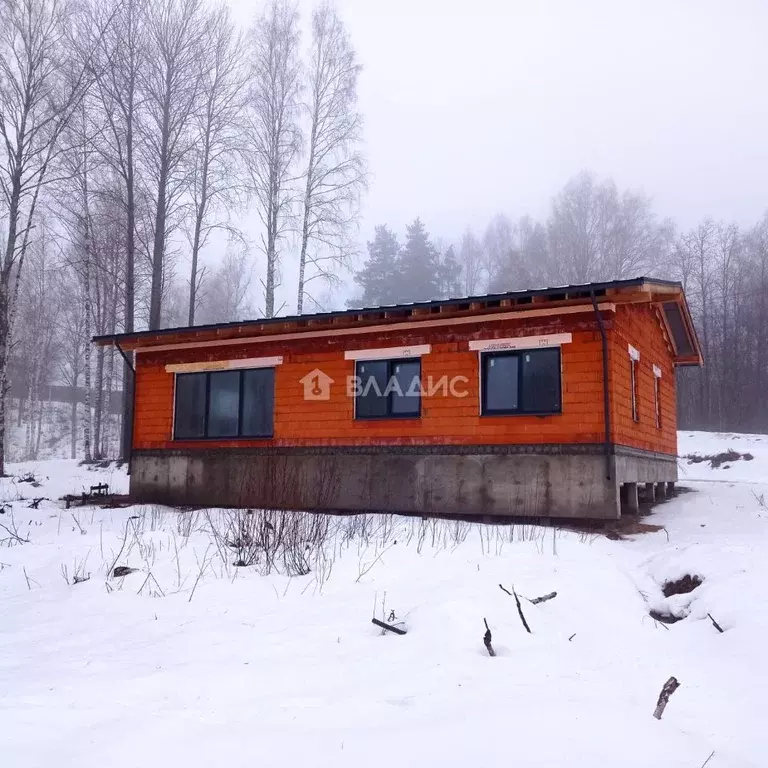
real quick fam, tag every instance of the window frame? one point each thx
(657, 395)
(241, 378)
(390, 362)
(634, 383)
(485, 357)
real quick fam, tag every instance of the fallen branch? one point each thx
(519, 607)
(717, 626)
(487, 637)
(389, 627)
(543, 598)
(669, 688)
(14, 535)
(711, 755)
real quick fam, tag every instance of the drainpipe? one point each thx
(606, 402)
(129, 425)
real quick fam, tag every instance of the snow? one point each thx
(203, 664)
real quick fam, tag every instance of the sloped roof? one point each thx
(668, 294)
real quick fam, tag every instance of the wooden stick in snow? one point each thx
(717, 626)
(487, 639)
(669, 688)
(543, 598)
(519, 607)
(389, 627)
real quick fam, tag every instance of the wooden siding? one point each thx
(445, 419)
(641, 326)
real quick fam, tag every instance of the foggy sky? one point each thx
(478, 107)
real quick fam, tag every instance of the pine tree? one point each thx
(378, 277)
(418, 277)
(449, 275)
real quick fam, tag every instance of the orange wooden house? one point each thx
(543, 403)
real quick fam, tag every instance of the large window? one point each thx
(224, 404)
(527, 381)
(388, 389)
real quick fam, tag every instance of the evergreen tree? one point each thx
(418, 277)
(378, 277)
(449, 275)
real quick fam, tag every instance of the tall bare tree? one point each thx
(274, 135)
(216, 183)
(120, 59)
(44, 72)
(172, 79)
(335, 171)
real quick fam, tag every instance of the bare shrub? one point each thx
(78, 574)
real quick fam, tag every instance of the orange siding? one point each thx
(445, 418)
(641, 326)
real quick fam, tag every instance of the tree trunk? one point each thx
(73, 421)
(161, 214)
(98, 409)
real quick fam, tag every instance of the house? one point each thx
(553, 403)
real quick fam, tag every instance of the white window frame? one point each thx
(634, 359)
(657, 394)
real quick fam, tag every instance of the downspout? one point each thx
(606, 401)
(129, 425)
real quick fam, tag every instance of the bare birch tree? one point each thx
(274, 136)
(175, 31)
(335, 171)
(216, 185)
(120, 59)
(44, 73)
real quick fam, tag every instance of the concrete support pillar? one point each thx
(650, 492)
(633, 502)
(670, 490)
(661, 490)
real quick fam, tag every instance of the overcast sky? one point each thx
(483, 106)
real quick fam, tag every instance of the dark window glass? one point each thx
(258, 402)
(522, 382)
(387, 389)
(405, 397)
(541, 381)
(372, 377)
(190, 405)
(501, 383)
(633, 389)
(225, 404)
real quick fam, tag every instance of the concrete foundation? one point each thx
(553, 481)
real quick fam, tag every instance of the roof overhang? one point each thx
(471, 309)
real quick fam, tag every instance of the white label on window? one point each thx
(416, 350)
(520, 342)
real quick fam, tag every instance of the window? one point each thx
(633, 388)
(388, 389)
(634, 359)
(527, 381)
(224, 404)
(657, 394)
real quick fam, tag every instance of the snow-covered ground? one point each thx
(192, 661)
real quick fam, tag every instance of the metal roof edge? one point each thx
(488, 297)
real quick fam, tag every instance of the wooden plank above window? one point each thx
(224, 365)
(388, 353)
(520, 342)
